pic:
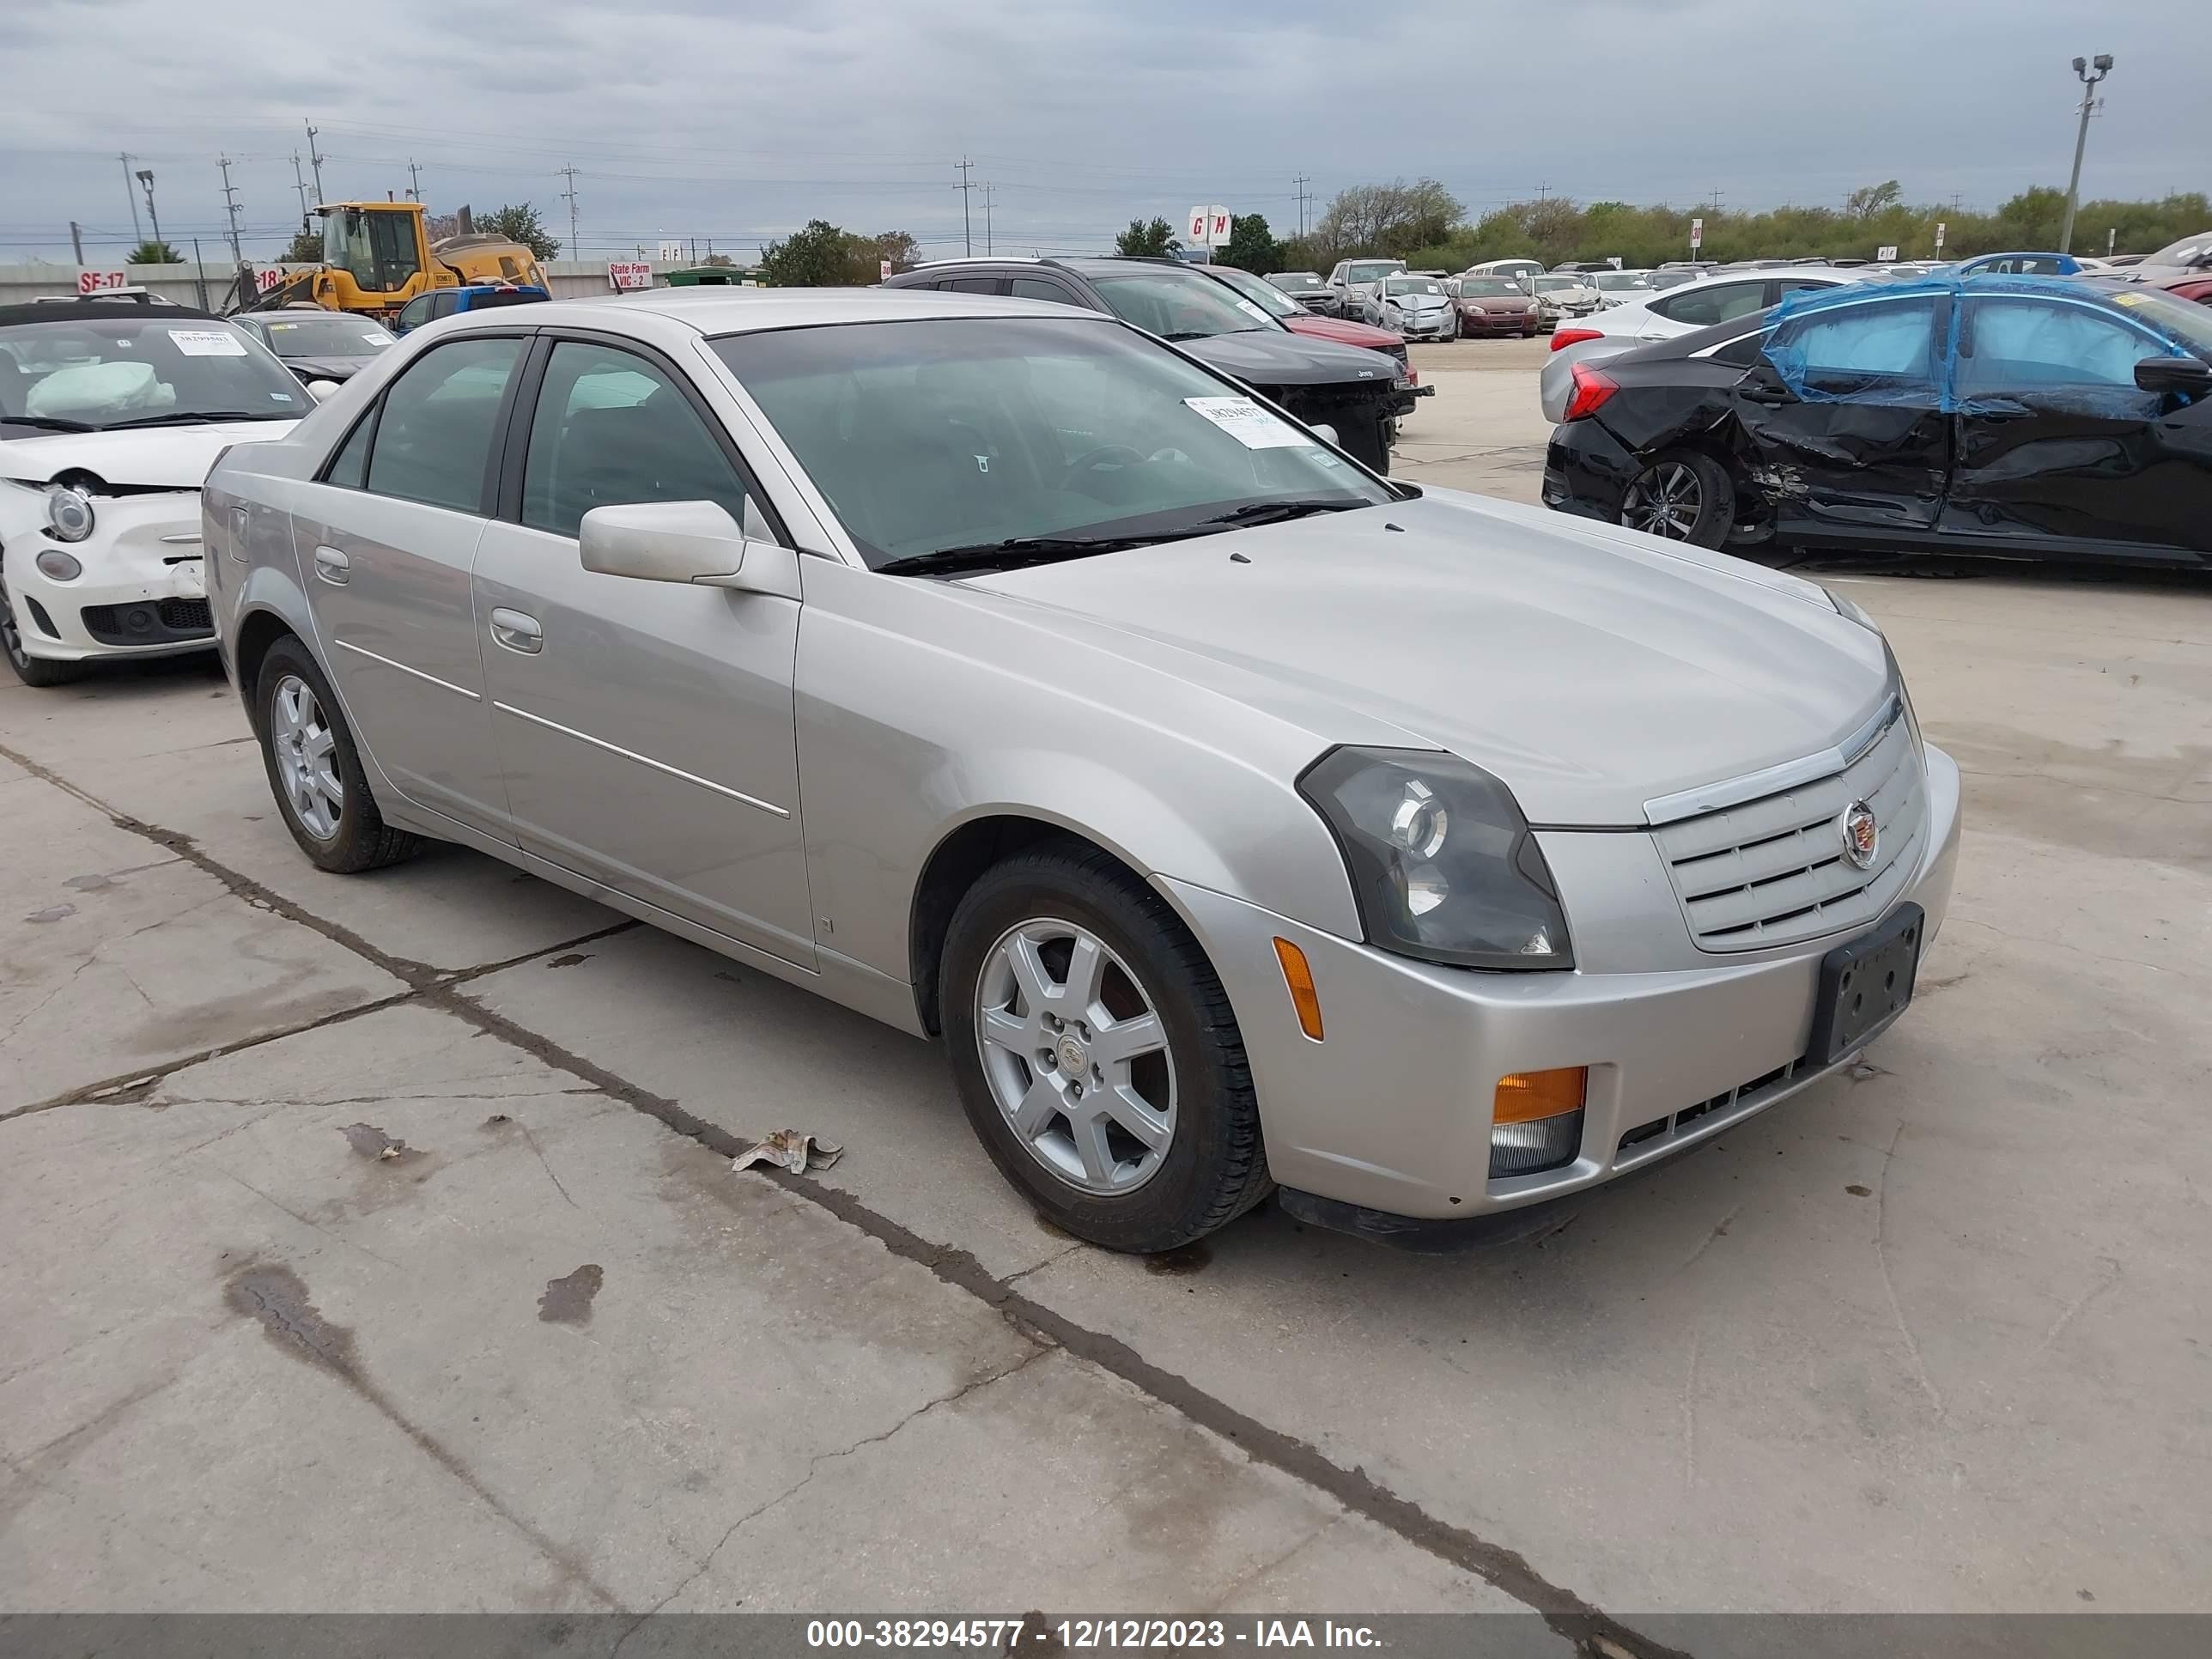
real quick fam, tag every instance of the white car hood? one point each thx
(1591, 668)
(159, 457)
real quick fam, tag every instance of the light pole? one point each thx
(146, 178)
(2092, 70)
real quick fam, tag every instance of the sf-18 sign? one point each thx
(1209, 226)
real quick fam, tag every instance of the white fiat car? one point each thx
(111, 414)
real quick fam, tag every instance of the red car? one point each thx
(1494, 304)
(1297, 319)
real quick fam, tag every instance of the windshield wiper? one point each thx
(47, 422)
(178, 417)
(1018, 550)
(1253, 512)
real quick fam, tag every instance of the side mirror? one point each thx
(322, 390)
(2189, 375)
(696, 543)
(1325, 432)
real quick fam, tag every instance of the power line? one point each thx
(569, 174)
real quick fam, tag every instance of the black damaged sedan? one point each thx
(2017, 417)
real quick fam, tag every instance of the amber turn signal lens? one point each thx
(1525, 1096)
(1299, 978)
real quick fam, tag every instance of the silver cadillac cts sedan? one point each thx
(1240, 821)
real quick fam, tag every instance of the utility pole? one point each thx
(300, 185)
(1298, 184)
(989, 190)
(77, 240)
(414, 182)
(967, 228)
(314, 157)
(146, 178)
(230, 207)
(2090, 71)
(569, 174)
(137, 235)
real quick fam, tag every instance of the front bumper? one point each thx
(1390, 1113)
(143, 593)
(1497, 322)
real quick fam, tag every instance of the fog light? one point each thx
(59, 566)
(1536, 1121)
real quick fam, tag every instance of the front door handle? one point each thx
(516, 631)
(332, 566)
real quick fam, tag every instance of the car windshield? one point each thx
(1557, 284)
(1413, 285)
(1659, 279)
(2186, 251)
(2187, 322)
(1369, 270)
(1297, 282)
(1179, 305)
(967, 434)
(91, 374)
(1488, 287)
(329, 336)
(1261, 292)
(1615, 282)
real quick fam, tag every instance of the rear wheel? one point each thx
(315, 771)
(1096, 1055)
(32, 670)
(1683, 497)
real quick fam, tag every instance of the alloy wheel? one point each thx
(1665, 499)
(1076, 1056)
(306, 756)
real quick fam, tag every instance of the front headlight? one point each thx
(1441, 858)
(68, 514)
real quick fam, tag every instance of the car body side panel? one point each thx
(921, 707)
(2083, 472)
(1841, 467)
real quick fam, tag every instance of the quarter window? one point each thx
(350, 469)
(1715, 302)
(972, 285)
(611, 429)
(434, 435)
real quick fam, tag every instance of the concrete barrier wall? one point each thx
(569, 279)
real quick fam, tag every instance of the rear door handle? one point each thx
(332, 566)
(516, 631)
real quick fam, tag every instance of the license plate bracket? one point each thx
(1866, 983)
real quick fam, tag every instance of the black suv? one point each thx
(1355, 392)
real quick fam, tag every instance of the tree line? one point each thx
(1423, 224)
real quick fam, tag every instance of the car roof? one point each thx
(721, 309)
(80, 310)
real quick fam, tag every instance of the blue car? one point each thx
(2021, 264)
(476, 296)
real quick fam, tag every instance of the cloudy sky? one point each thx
(737, 120)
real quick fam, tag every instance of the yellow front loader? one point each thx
(377, 255)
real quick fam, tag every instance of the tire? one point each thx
(32, 670)
(307, 745)
(1681, 496)
(1202, 1164)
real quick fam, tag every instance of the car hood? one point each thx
(1273, 356)
(1592, 669)
(327, 368)
(161, 457)
(1344, 333)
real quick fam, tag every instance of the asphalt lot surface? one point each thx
(1931, 1337)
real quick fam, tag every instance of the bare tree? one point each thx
(1392, 220)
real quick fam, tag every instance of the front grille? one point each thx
(1746, 1094)
(163, 621)
(1773, 871)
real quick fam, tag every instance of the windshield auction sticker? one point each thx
(1249, 424)
(208, 343)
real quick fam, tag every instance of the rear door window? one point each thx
(1712, 303)
(1038, 287)
(973, 285)
(1884, 348)
(434, 438)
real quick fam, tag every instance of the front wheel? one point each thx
(32, 670)
(1095, 1052)
(315, 771)
(1683, 497)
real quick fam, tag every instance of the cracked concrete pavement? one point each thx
(1932, 1337)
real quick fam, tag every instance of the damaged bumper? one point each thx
(142, 590)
